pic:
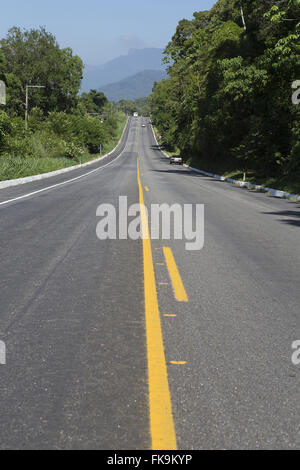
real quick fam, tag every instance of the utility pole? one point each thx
(27, 100)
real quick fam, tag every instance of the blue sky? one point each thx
(100, 30)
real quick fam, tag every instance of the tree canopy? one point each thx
(62, 124)
(227, 101)
(94, 101)
(34, 58)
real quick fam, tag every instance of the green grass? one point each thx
(281, 183)
(18, 167)
(122, 119)
(13, 167)
(286, 184)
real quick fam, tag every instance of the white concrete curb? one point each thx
(242, 184)
(28, 179)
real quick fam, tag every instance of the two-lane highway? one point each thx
(90, 351)
(238, 387)
(72, 316)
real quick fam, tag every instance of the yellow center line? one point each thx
(169, 315)
(180, 363)
(160, 407)
(179, 290)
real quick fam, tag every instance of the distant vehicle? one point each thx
(143, 125)
(176, 160)
(135, 114)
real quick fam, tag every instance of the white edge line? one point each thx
(29, 179)
(63, 182)
(243, 184)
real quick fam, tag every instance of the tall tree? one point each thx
(34, 58)
(94, 101)
(227, 101)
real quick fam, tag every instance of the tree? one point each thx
(227, 101)
(127, 106)
(34, 57)
(94, 101)
(2, 66)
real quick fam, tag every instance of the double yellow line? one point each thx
(162, 427)
(179, 290)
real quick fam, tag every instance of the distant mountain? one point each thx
(135, 61)
(133, 87)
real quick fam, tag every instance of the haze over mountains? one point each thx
(136, 86)
(114, 77)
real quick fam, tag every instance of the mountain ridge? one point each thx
(137, 60)
(133, 87)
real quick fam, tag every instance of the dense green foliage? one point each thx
(64, 128)
(34, 58)
(140, 105)
(227, 102)
(93, 102)
(46, 147)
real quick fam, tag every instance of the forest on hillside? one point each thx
(230, 103)
(64, 128)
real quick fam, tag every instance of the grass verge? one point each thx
(13, 167)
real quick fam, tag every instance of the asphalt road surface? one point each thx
(80, 373)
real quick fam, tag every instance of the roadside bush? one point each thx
(18, 146)
(72, 150)
(5, 129)
(36, 120)
(60, 135)
(16, 142)
(83, 131)
(295, 152)
(60, 124)
(93, 133)
(45, 144)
